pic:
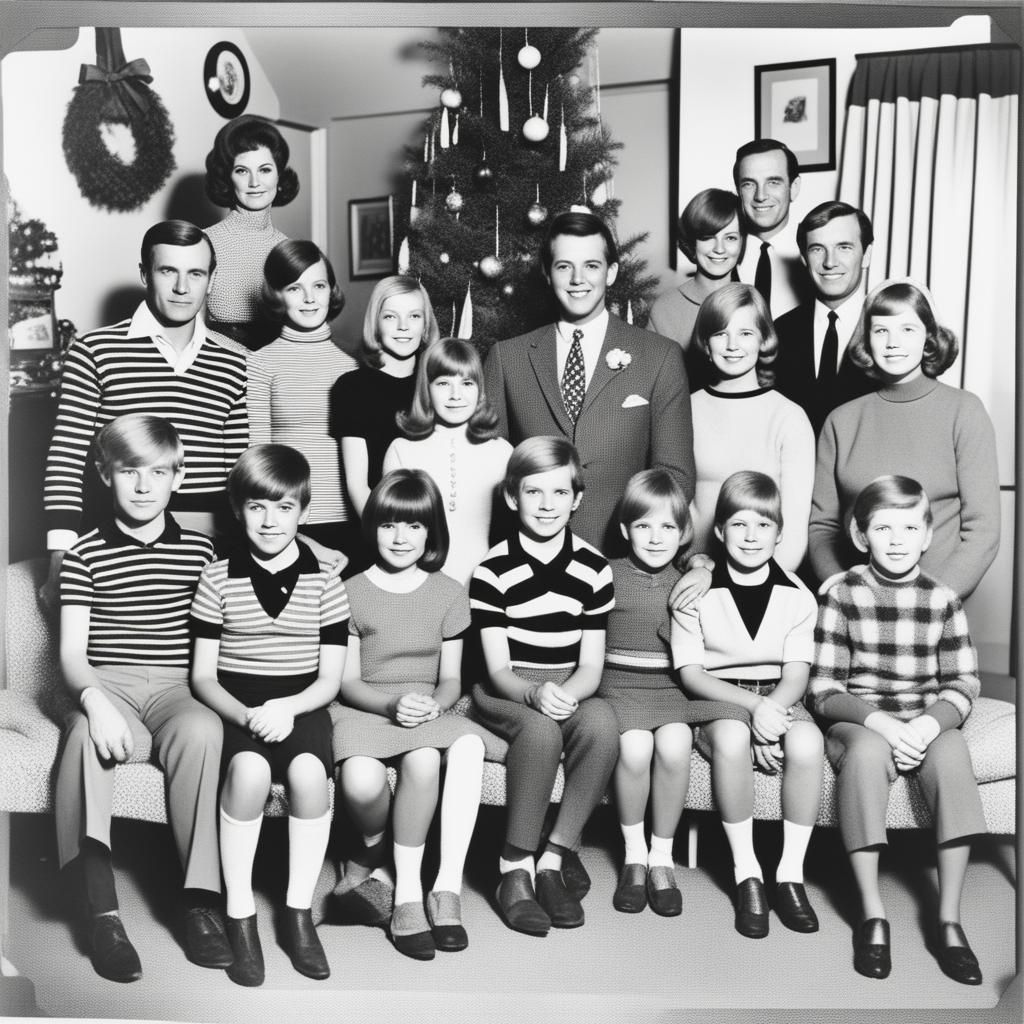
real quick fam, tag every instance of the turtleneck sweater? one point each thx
(242, 242)
(938, 435)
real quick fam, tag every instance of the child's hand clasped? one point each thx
(412, 709)
(770, 720)
(908, 744)
(551, 700)
(271, 722)
(767, 757)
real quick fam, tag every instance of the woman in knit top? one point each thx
(740, 422)
(246, 171)
(915, 426)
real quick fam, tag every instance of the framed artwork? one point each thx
(795, 103)
(31, 325)
(226, 79)
(369, 238)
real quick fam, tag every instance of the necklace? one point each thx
(452, 475)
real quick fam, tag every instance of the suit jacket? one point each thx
(634, 418)
(795, 370)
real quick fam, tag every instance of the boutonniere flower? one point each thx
(617, 359)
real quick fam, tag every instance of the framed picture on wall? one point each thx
(31, 325)
(795, 103)
(369, 238)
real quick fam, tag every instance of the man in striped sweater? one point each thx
(161, 361)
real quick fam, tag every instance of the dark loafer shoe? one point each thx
(247, 968)
(631, 892)
(751, 909)
(302, 944)
(444, 912)
(206, 941)
(793, 907)
(558, 903)
(957, 959)
(574, 874)
(370, 903)
(410, 931)
(663, 893)
(113, 956)
(518, 906)
(871, 956)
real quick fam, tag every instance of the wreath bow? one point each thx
(126, 83)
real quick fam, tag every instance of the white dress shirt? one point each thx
(145, 325)
(591, 342)
(847, 318)
(790, 281)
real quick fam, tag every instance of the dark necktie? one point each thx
(829, 351)
(574, 377)
(763, 274)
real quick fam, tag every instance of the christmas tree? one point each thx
(517, 138)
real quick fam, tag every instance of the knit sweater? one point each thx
(895, 646)
(242, 242)
(759, 430)
(290, 381)
(938, 435)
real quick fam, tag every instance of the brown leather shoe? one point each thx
(518, 906)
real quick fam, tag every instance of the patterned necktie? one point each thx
(763, 274)
(574, 377)
(829, 351)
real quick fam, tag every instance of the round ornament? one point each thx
(536, 129)
(528, 57)
(508, 290)
(483, 176)
(454, 201)
(445, 258)
(490, 267)
(451, 98)
(573, 80)
(536, 214)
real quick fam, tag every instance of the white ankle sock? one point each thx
(238, 842)
(636, 843)
(408, 884)
(741, 842)
(526, 864)
(307, 846)
(549, 861)
(661, 852)
(794, 847)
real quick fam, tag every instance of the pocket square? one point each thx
(634, 400)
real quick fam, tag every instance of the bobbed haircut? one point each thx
(891, 298)
(173, 232)
(707, 213)
(751, 490)
(648, 489)
(765, 146)
(285, 264)
(825, 212)
(408, 496)
(386, 288)
(719, 308)
(891, 491)
(137, 439)
(448, 357)
(582, 225)
(270, 472)
(541, 454)
(243, 135)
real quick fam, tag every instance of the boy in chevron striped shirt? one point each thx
(896, 673)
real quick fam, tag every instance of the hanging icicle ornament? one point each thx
(455, 131)
(536, 214)
(528, 56)
(403, 255)
(563, 143)
(414, 210)
(466, 323)
(629, 311)
(443, 138)
(502, 91)
(536, 128)
(491, 266)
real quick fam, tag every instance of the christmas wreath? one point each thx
(113, 92)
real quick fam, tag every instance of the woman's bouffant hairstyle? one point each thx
(409, 496)
(891, 491)
(648, 489)
(749, 489)
(137, 439)
(718, 309)
(448, 357)
(285, 264)
(706, 214)
(891, 298)
(270, 472)
(243, 135)
(397, 284)
(541, 454)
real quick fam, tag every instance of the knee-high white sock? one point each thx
(408, 864)
(238, 842)
(307, 847)
(741, 842)
(636, 843)
(661, 852)
(794, 848)
(460, 802)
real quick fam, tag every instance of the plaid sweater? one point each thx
(899, 647)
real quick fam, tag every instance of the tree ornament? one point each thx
(536, 214)
(573, 80)
(536, 129)
(451, 98)
(579, 208)
(483, 176)
(445, 258)
(508, 290)
(454, 201)
(503, 121)
(491, 267)
(528, 57)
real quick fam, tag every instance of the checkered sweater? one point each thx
(898, 647)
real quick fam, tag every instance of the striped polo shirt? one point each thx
(543, 607)
(252, 643)
(138, 594)
(106, 374)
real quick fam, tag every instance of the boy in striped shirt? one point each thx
(126, 588)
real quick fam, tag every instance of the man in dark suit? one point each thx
(619, 393)
(812, 368)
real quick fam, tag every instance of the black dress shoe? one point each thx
(663, 894)
(793, 907)
(247, 968)
(518, 906)
(302, 944)
(631, 892)
(871, 955)
(956, 958)
(558, 903)
(444, 912)
(751, 909)
(113, 956)
(206, 941)
(574, 874)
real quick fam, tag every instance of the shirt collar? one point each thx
(145, 325)
(113, 534)
(847, 312)
(241, 563)
(593, 332)
(777, 577)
